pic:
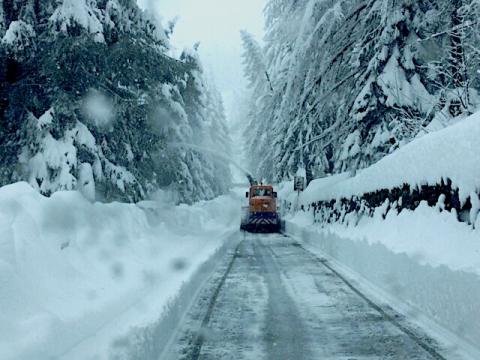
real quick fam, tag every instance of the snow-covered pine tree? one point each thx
(258, 132)
(217, 137)
(353, 80)
(204, 170)
(91, 101)
(451, 28)
(311, 50)
(391, 100)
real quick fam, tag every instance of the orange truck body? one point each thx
(261, 215)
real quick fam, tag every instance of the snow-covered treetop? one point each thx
(253, 59)
(84, 13)
(107, 20)
(17, 33)
(18, 37)
(126, 17)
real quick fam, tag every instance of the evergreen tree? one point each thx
(257, 133)
(352, 81)
(92, 101)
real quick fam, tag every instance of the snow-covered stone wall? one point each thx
(440, 169)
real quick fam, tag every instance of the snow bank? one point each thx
(313, 190)
(424, 257)
(70, 268)
(442, 300)
(447, 154)
(427, 235)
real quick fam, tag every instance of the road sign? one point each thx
(299, 183)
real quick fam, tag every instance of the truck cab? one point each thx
(262, 199)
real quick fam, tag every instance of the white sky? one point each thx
(216, 24)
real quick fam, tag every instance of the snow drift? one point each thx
(69, 268)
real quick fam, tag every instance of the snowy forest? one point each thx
(337, 85)
(334, 86)
(92, 101)
(256, 179)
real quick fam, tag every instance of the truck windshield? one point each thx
(262, 192)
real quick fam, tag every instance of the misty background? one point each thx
(216, 25)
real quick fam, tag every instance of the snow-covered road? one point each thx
(272, 299)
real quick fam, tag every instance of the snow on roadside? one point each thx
(432, 237)
(439, 300)
(426, 234)
(69, 268)
(425, 257)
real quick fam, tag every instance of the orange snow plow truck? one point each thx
(261, 215)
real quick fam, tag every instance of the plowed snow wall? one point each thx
(449, 297)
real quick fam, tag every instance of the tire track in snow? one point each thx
(197, 347)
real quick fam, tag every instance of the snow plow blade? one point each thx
(262, 224)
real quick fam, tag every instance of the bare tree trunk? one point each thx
(456, 43)
(457, 58)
